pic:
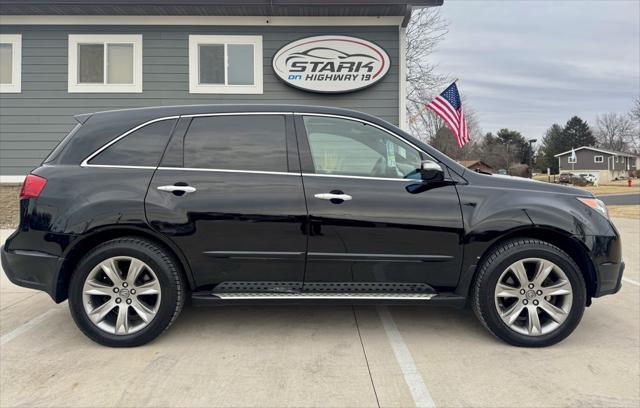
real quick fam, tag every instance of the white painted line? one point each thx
(5, 338)
(413, 378)
(631, 281)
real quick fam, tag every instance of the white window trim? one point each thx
(75, 39)
(572, 161)
(595, 159)
(194, 64)
(16, 63)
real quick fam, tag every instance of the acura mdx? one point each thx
(137, 211)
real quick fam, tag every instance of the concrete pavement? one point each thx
(322, 356)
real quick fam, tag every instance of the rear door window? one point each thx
(143, 147)
(237, 142)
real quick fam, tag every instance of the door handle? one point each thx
(173, 189)
(331, 196)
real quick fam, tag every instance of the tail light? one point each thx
(32, 186)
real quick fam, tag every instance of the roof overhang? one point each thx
(244, 8)
(595, 149)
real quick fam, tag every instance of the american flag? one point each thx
(449, 107)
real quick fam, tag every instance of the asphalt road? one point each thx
(621, 199)
(322, 356)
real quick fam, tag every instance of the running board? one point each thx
(306, 298)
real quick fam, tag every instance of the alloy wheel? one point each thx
(121, 295)
(533, 296)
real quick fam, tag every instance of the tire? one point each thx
(144, 297)
(495, 306)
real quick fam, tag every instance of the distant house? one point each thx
(476, 165)
(605, 164)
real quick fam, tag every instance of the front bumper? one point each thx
(33, 269)
(609, 278)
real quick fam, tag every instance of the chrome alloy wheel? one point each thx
(121, 295)
(533, 296)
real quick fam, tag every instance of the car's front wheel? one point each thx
(529, 293)
(125, 292)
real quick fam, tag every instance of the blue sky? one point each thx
(526, 64)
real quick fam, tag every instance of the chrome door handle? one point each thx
(171, 189)
(330, 196)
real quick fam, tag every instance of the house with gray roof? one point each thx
(605, 164)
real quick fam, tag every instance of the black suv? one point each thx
(137, 211)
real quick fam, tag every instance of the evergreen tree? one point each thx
(576, 133)
(552, 144)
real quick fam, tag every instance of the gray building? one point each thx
(59, 58)
(605, 164)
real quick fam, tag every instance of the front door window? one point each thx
(350, 148)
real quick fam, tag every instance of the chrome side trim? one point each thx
(282, 173)
(350, 296)
(358, 177)
(85, 162)
(114, 166)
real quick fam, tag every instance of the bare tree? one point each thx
(635, 111)
(425, 30)
(634, 115)
(614, 131)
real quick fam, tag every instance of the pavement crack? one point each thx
(364, 352)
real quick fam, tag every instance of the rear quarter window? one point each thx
(143, 147)
(63, 143)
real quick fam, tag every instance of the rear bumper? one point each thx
(33, 269)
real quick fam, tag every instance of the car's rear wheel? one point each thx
(125, 292)
(529, 293)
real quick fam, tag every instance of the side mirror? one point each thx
(431, 171)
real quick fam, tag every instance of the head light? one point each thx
(596, 204)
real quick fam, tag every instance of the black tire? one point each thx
(165, 267)
(483, 301)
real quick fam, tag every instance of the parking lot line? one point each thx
(412, 376)
(375, 393)
(631, 281)
(25, 327)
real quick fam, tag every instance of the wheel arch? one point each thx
(84, 243)
(572, 246)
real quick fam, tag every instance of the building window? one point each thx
(225, 64)
(10, 63)
(598, 159)
(105, 63)
(572, 160)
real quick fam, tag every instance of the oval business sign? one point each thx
(331, 64)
